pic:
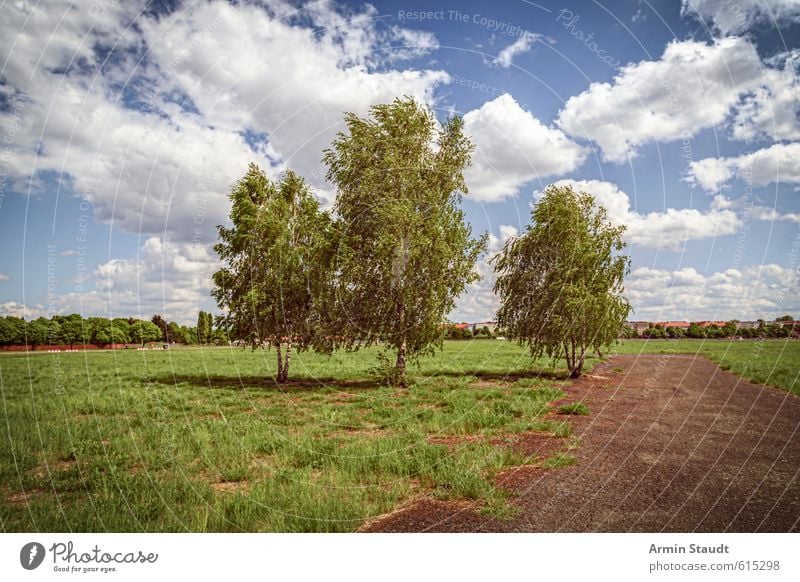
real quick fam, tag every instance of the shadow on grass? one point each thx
(268, 383)
(264, 383)
(512, 376)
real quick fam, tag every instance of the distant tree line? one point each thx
(453, 331)
(731, 329)
(74, 330)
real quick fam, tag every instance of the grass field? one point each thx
(202, 439)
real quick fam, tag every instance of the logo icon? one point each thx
(31, 555)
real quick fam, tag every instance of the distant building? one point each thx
(492, 325)
(676, 324)
(638, 326)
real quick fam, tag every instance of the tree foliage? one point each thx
(404, 251)
(560, 283)
(274, 273)
(145, 331)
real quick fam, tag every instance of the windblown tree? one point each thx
(404, 249)
(560, 283)
(272, 272)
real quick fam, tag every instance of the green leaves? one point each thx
(560, 283)
(274, 275)
(404, 251)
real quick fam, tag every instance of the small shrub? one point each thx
(559, 460)
(385, 372)
(578, 408)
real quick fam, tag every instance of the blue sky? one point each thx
(123, 125)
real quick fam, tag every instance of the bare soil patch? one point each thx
(672, 443)
(230, 486)
(22, 498)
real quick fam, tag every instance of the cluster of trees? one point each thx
(72, 330)
(387, 263)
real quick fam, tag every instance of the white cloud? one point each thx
(779, 163)
(4, 278)
(155, 137)
(520, 46)
(753, 292)
(772, 110)
(669, 229)
(736, 17)
(754, 211)
(293, 83)
(693, 86)
(15, 309)
(169, 278)
(411, 43)
(513, 148)
(710, 173)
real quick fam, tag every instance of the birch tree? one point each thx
(272, 274)
(404, 250)
(560, 283)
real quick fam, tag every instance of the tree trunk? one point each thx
(279, 378)
(578, 368)
(400, 365)
(286, 360)
(568, 357)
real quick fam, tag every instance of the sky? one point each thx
(123, 126)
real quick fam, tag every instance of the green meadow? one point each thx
(204, 440)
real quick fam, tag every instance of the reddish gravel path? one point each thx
(672, 443)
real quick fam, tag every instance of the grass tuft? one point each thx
(577, 408)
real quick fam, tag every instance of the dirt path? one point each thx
(672, 443)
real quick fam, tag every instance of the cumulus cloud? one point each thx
(772, 110)
(736, 17)
(693, 86)
(667, 230)
(779, 163)
(752, 292)
(169, 278)
(520, 46)
(754, 211)
(512, 148)
(4, 278)
(16, 309)
(153, 123)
